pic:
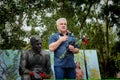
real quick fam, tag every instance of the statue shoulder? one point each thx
(25, 53)
(45, 53)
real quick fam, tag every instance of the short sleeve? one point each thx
(52, 39)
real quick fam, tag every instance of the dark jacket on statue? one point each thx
(32, 64)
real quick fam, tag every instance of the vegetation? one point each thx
(99, 20)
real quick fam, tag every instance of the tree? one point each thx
(85, 17)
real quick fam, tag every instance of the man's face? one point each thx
(37, 45)
(62, 26)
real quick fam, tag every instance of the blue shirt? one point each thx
(68, 60)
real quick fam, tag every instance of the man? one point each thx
(35, 63)
(63, 44)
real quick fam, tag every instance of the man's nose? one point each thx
(63, 25)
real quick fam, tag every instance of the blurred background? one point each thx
(98, 20)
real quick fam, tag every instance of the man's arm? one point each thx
(53, 46)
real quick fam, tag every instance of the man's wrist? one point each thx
(75, 50)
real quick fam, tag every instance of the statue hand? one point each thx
(37, 76)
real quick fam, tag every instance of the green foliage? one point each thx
(16, 14)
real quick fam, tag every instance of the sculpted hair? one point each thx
(34, 39)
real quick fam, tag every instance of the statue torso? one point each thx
(35, 61)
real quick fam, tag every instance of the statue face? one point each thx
(37, 45)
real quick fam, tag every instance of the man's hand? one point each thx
(71, 48)
(63, 38)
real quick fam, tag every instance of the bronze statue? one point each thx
(35, 63)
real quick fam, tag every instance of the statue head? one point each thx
(36, 43)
